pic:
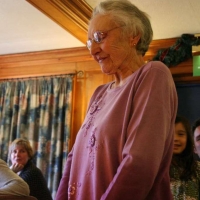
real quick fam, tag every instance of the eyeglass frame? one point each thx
(98, 39)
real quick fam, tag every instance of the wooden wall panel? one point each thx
(42, 63)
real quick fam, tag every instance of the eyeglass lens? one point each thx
(98, 37)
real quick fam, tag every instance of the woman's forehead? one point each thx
(18, 146)
(100, 22)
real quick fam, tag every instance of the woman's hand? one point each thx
(16, 167)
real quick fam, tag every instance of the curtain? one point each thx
(38, 109)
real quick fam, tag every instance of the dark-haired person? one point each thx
(184, 169)
(196, 136)
(21, 155)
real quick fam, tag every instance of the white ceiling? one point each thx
(23, 28)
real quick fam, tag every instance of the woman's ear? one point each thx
(134, 40)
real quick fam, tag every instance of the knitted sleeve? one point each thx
(37, 183)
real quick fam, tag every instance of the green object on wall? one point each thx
(196, 65)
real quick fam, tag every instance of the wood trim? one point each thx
(55, 62)
(72, 15)
(44, 63)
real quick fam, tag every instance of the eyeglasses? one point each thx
(98, 37)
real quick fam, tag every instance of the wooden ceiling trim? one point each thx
(79, 9)
(72, 15)
(78, 54)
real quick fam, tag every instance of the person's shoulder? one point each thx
(156, 65)
(155, 70)
(32, 171)
(102, 87)
(31, 168)
(100, 90)
(2, 162)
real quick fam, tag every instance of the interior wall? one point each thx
(188, 101)
(89, 75)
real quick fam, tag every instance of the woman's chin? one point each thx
(107, 71)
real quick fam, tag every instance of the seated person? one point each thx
(184, 169)
(196, 136)
(11, 183)
(21, 155)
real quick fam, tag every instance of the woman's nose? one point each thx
(17, 153)
(95, 48)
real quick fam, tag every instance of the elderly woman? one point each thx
(11, 183)
(124, 147)
(21, 155)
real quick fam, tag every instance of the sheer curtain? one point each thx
(39, 110)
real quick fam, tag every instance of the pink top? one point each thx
(123, 149)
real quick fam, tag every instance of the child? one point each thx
(184, 170)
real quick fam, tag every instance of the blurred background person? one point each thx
(11, 183)
(21, 155)
(184, 169)
(196, 137)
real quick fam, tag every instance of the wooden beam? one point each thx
(72, 15)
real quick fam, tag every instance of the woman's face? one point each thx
(19, 155)
(115, 52)
(180, 138)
